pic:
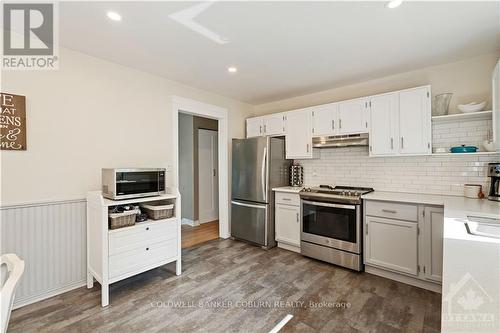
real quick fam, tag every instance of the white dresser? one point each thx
(114, 255)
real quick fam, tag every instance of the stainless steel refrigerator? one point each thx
(258, 165)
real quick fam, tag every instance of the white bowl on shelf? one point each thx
(489, 145)
(472, 107)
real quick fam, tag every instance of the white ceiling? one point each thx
(282, 49)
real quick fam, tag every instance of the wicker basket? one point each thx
(158, 210)
(120, 220)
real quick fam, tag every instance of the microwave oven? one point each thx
(120, 184)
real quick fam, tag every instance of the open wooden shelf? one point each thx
(481, 115)
(472, 154)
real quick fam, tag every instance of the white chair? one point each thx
(11, 269)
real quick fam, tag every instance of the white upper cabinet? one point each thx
(353, 116)
(415, 130)
(271, 125)
(383, 125)
(274, 124)
(298, 139)
(255, 127)
(398, 123)
(324, 118)
(496, 105)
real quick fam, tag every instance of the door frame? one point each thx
(211, 170)
(190, 106)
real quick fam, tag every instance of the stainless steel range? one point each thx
(330, 228)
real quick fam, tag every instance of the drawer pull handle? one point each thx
(286, 199)
(147, 249)
(389, 211)
(147, 228)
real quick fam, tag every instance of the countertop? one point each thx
(288, 189)
(454, 206)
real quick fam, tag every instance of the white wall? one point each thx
(469, 80)
(92, 114)
(186, 165)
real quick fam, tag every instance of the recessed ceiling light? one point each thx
(114, 16)
(232, 69)
(394, 3)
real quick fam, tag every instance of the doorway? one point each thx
(198, 178)
(208, 187)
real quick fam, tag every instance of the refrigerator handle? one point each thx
(248, 205)
(263, 171)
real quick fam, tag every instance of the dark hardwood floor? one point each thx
(230, 286)
(192, 236)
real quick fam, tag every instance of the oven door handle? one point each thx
(324, 204)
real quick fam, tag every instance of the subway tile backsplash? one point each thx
(351, 166)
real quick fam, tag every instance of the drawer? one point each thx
(287, 198)
(400, 211)
(141, 258)
(126, 239)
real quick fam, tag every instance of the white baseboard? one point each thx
(18, 303)
(404, 279)
(210, 220)
(289, 247)
(189, 222)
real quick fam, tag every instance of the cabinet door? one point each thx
(433, 243)
(353, 116)
(324, 120)
(288, 224)
(496, 105)
(383, 125)
(254, 127)
(392, 244)
(274, 124)
(415, 121)
(298, 140)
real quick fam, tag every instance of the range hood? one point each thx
(341, 141)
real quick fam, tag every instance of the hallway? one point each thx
(202, 233)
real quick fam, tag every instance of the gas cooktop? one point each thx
(327, 193)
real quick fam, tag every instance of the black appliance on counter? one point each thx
(494, 174)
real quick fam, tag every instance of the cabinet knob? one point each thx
(147, 228)
(147, 249)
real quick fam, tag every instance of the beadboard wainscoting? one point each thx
(419, 174)
(51, 238)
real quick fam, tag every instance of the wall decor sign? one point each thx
(12, 122)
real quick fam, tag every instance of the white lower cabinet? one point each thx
(287, 221)
(392, 244)
(433, 243)
(404, 242)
